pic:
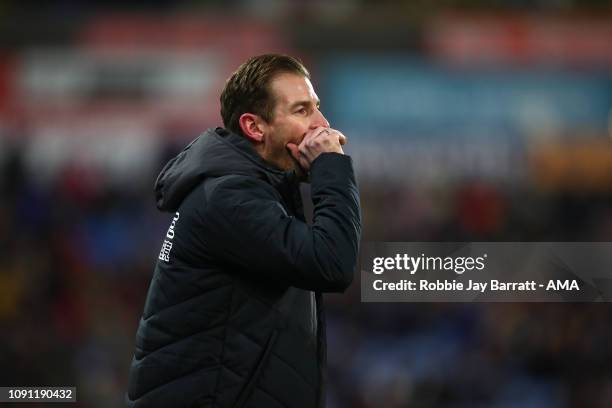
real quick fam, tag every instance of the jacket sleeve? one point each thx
(248, 229)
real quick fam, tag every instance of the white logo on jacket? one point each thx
(164, 254)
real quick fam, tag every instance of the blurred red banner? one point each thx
(476, 39)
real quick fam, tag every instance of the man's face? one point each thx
(296, 111)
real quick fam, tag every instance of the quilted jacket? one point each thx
(234, 314)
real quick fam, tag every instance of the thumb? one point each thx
(293, 149)
(297, 156)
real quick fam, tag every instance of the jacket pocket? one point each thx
(265, 355)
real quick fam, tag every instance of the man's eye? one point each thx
(302, 111)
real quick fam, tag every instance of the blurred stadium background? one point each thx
(468, 121)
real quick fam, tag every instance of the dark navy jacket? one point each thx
(233, 316)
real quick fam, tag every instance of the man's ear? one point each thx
(252, 126)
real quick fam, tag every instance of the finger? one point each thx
(341, 138)
(294, 150)
(309, 135)
(317, 132)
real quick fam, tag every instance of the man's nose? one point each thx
(319, 120)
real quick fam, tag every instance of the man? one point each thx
(234, 317)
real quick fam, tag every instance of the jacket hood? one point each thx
(215, 153)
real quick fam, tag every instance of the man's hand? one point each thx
(317, 141)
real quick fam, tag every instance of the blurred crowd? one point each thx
(78, 256)
(79, 233)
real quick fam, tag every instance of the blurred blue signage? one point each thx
(402, 96)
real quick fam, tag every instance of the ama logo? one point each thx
(562, 285)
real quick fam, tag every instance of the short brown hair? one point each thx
(248, 89)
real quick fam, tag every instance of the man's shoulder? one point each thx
(228, 196)
(236, 184)
(230, 190)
